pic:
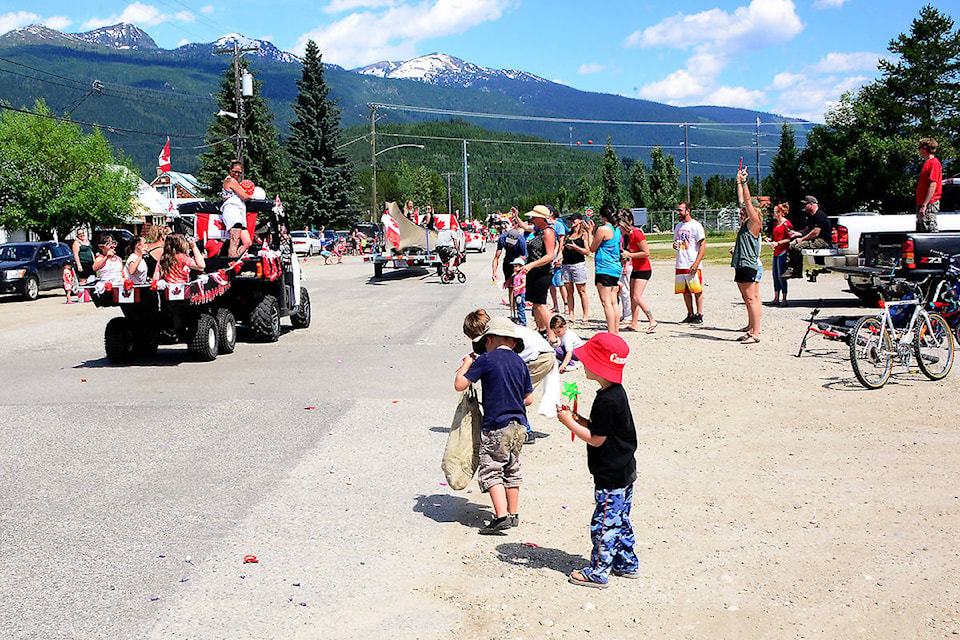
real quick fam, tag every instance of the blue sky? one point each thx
(791, 57)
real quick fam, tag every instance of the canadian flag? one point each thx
(210, 226)
(164, 160)
(393, 229)
(445, 221)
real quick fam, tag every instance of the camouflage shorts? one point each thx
(500, 456)
(927, 219)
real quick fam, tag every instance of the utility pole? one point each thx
(449, 195)
(466, 188)
(373, 158)
(759, 182)
(238, 52)
(686, 156)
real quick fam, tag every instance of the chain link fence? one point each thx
(726, 219)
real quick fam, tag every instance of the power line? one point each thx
(101, 126)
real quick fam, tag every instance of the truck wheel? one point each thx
(265, 320)
(301, 319)
(31, 288)
(118, 341)
(203, 342)
(226, 331)
(377, 269)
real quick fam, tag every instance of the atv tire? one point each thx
(204, 340)
(118, 341)
(265, 320)
(226, 331)
(301, 318)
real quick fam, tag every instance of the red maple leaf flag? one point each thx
(164, 159)
(392, 228)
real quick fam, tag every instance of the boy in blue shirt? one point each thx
(507, 392)
(611, 444)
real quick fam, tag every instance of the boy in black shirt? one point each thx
(611, 444)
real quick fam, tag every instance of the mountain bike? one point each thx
(945, 296)
(877, 339)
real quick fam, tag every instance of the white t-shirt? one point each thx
(534, 344)
(140, 275)
(688, 236)
(570, 340)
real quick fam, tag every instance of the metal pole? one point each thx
(449, 195)
(466, 188)
(238, 52)
(759, 182)
(373, 159)
(686, 157)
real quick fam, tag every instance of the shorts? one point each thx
(557, 278)
(641, 275)
(575, 273)
(446, 253)
(745, 274)
(686, 281)
(500, 456)
(538, 283)
(233, 216)
(604, 280)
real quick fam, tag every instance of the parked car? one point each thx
(124, 237)
(373, 231)
(27, 268)
(307, 242)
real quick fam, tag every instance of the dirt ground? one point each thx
(776, 498)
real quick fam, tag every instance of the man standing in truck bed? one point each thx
(929, 187)
(817, 235)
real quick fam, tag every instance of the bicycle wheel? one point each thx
(871, 352)
(934, 347)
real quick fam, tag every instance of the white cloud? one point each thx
(786, 80)
(140, 14)
(591, 67)
(394, 33)
(15, 20)
(716, 37)
(813, 97)
(760, 24)
(207, 10)
(829, 4)
(848, 62)
(339, 6)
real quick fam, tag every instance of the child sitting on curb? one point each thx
(507, 392)
(611, 444)
(569, 340)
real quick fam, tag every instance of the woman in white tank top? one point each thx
(234, 210)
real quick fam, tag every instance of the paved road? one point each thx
(130, 495)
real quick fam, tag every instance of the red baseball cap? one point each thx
(605, 354)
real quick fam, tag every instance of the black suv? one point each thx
(27, 268)
(373, 230)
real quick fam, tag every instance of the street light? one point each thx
(373, 164)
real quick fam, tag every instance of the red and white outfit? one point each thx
(633, 245)
(180, 274)
(112, 270)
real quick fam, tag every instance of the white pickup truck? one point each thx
(848, 228)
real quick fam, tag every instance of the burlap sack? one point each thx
(461, 457)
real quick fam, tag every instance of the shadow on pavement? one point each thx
(441, 507)
(524, 555)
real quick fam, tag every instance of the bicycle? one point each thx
(450, 272)
(876, 340)
(945, 297)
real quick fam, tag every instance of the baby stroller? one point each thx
(450, 260)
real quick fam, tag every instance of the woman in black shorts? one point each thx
(541, 250)
(746, 260)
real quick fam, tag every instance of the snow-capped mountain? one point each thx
(443, 70)
(264, 48)
(37, 34)
(120, 36)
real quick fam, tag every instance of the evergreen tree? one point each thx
(640, 184)
(581, 197)
(698, 193)
(263, 161)
(918, 89)
(664, 181)
(319, 166)
(783, 183)
(611, 177)
(562, 198)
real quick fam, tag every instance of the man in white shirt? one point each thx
(690, 243)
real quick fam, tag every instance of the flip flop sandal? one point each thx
(652, 328)
(750, 339)
(582, 581)
(743, 337)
